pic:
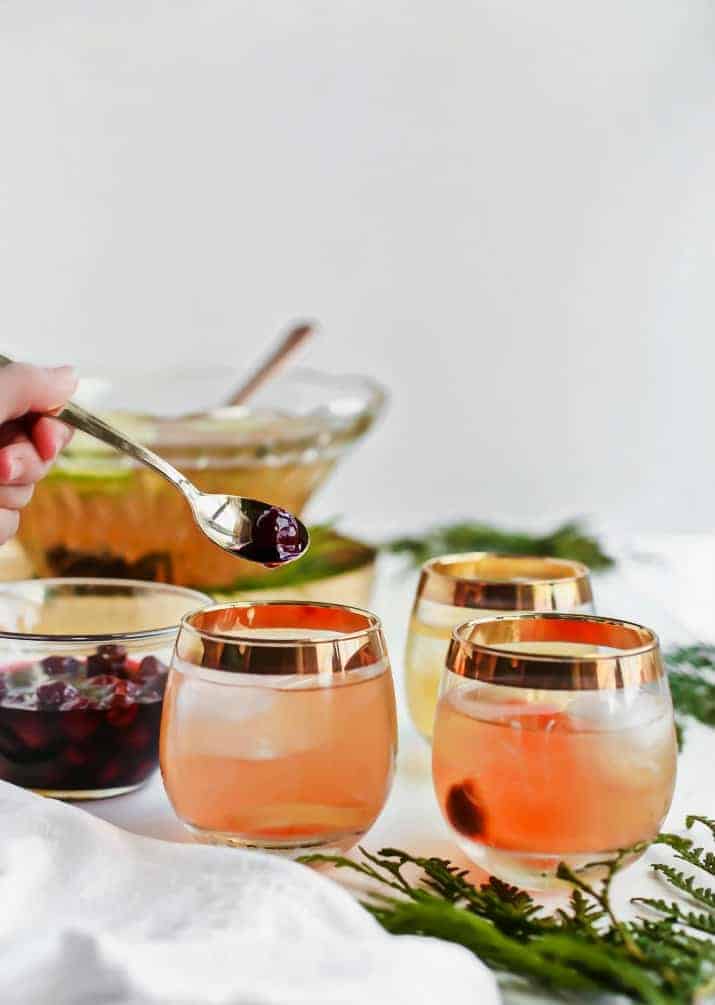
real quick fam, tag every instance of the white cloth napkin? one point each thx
(93, 915)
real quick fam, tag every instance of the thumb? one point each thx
(25, 388)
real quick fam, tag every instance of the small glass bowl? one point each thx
(83, 665)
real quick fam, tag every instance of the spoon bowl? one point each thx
(261, 533)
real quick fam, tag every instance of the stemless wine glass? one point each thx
(452, 586)
(554, 741)
(279, 726)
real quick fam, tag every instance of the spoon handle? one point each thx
(78, 418)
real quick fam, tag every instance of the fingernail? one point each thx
(13, 468)
(64, 379)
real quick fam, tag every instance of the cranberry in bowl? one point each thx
(83, 666)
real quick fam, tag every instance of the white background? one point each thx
(503, 210)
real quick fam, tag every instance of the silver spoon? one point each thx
(248, 528)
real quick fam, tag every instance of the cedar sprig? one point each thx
(691, 674)
(569, 540)
(580, 948)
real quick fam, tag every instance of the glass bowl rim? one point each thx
(373, 625)
(374, 397)
(217, 437)
(10, 589)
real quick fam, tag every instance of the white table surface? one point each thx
(670, 587)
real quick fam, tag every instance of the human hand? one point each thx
(28, 442)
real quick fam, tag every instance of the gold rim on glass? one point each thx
(235, 638)
(482, 579)
(495, 650)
